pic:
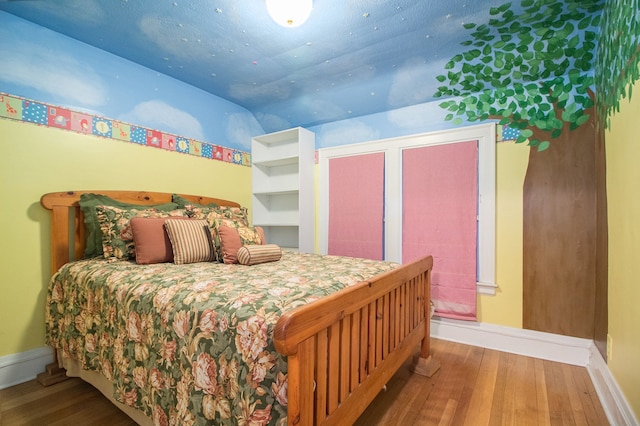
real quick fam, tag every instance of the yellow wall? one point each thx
(623, 203)
(35, 160)
(505, 308)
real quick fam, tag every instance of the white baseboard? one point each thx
(24, 366)
(614, 403)
(552, 347)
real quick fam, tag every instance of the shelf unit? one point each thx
(283, 187)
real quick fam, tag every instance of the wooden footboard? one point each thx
(344, 348)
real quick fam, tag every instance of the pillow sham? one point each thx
(232, 238)
(151, 241)
(190, 240)
(183, 202)
(255, 254)
(115, 225)
(217, 242)
(93, 234)
(211, 214)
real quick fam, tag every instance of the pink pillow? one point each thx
(231, 239)
(151, 241)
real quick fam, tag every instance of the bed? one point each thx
(317, 351)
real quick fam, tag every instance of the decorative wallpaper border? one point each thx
(22, 109)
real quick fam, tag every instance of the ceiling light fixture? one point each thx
(289, 13)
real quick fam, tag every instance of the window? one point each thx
(393, 149)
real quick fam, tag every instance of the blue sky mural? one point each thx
(222, 71)
(42, 65)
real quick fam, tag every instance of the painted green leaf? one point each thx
(527, 133)
(585, 23)
(543, 146)
(548, 34)
(582, 119)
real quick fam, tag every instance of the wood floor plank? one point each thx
(483, 391)
(542, 401)
(511, 390)
(577, 408)
(467, 383)
(559, 403)
(474, 387)
(525, 394)
(591, 404)
(448, 382)
(499, 394)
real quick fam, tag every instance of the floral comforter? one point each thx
(191, 344)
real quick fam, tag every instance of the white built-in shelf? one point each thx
(283, 201)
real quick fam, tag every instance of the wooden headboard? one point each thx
(67, 217)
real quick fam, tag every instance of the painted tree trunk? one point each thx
(561, 234)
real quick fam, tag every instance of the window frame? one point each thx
(485, 134)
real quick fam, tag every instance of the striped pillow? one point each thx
(254, 254)
(190, 240)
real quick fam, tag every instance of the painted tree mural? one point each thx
(529, 70)
(531, 67)
(618, 55)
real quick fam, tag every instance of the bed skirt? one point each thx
(98, 381)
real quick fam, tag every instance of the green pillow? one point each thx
(183, 202)
(92, 232)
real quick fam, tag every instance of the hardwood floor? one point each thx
(474, 386)
(477, 386)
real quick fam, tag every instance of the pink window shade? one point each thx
(440, 198)
(356, 206)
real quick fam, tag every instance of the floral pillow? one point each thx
(115, 225)
(211, 214)
(93, 235)
(183, 202)
(232, 238)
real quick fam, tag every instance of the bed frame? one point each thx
(341, 350)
